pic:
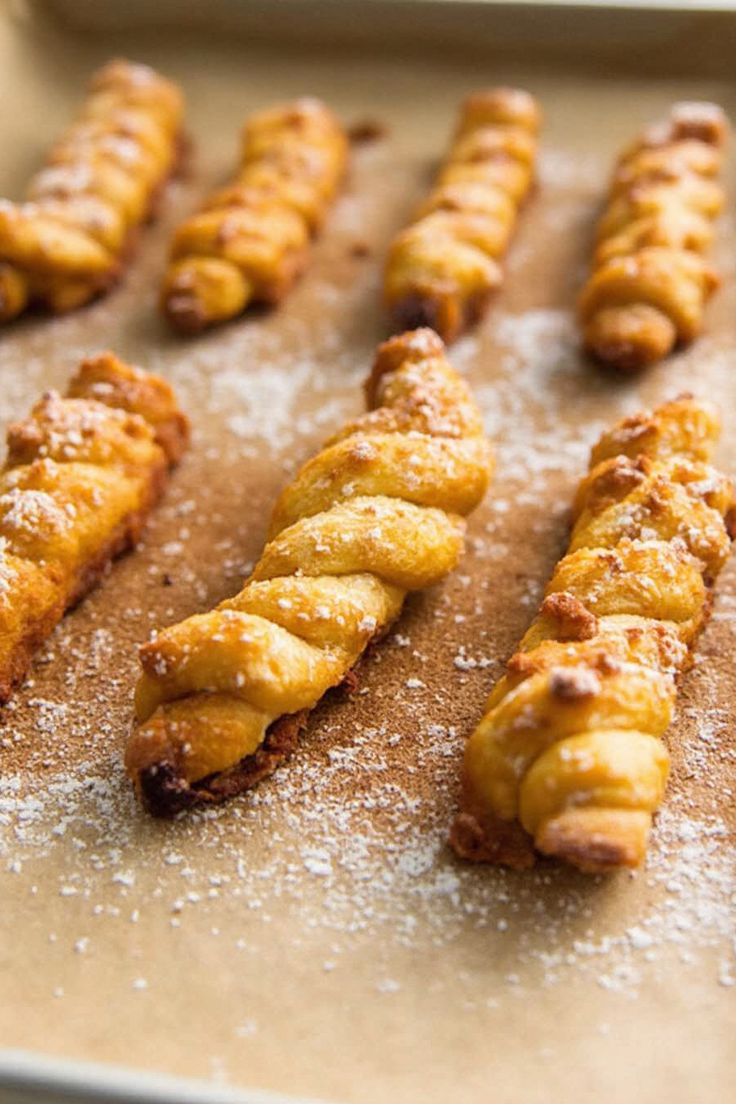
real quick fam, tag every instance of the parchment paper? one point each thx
(317, 936)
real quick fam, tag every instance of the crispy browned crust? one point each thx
(423, 310)
(478, 838)
(164, 791)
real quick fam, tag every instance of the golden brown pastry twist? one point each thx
(650, 280)
(373, 515)
(249, 242)
(568, 759)
(81, 475)
(442, 269)
(67, 243)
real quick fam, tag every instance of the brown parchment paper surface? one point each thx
(316, 936)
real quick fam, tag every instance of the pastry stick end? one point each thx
(596, 840)
(200, 292)
(630, 337)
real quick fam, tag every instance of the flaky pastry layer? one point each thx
(249, 241)
(68, 242)
(376, 513)
(81, 475)
(650, 280)
(568, 759)
(442, 269)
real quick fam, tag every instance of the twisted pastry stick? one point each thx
(650, 281)
(81, 475)
(67, 243)
(442, 269)
(568, 758)
(249, 242)
(373, 515)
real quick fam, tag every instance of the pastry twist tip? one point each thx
(596, 841)
(200, 292)
(630, 337)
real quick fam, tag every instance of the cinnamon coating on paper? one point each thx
(650, 280)
(81, 475)
(568, 760)
(249, 241)
(378, 512)
(68, 242)
(442, 269)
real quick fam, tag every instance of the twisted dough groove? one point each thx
(377, 513)
(68, 242)
(249, 242)
(568, 758)
(650, 281)
(442, 269)
(81, 475)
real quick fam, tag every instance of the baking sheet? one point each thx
(316, 937)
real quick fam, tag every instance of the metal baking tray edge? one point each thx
(28, 1078)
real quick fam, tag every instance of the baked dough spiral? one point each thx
(81, 475)
(650, 279)
(67, 243)
(568, 758)
(249, 242)
(442, 269)
(375, 514)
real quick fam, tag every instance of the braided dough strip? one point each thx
(373, 515)
(568, 758)
(442, 269)
(250, 240)
(81, 475)
(650, 281)
(68, 242)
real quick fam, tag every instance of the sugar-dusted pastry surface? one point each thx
(68, 241)
(651, 280)
(378, 512)
(81, 474)
(568, 759)
(442, 269)
(249, 241)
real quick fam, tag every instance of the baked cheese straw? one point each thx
(377, 513)
(250, 240)
(68, 242)
(81, 475)
(443, 268)
(568, 759)
(650, 280)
